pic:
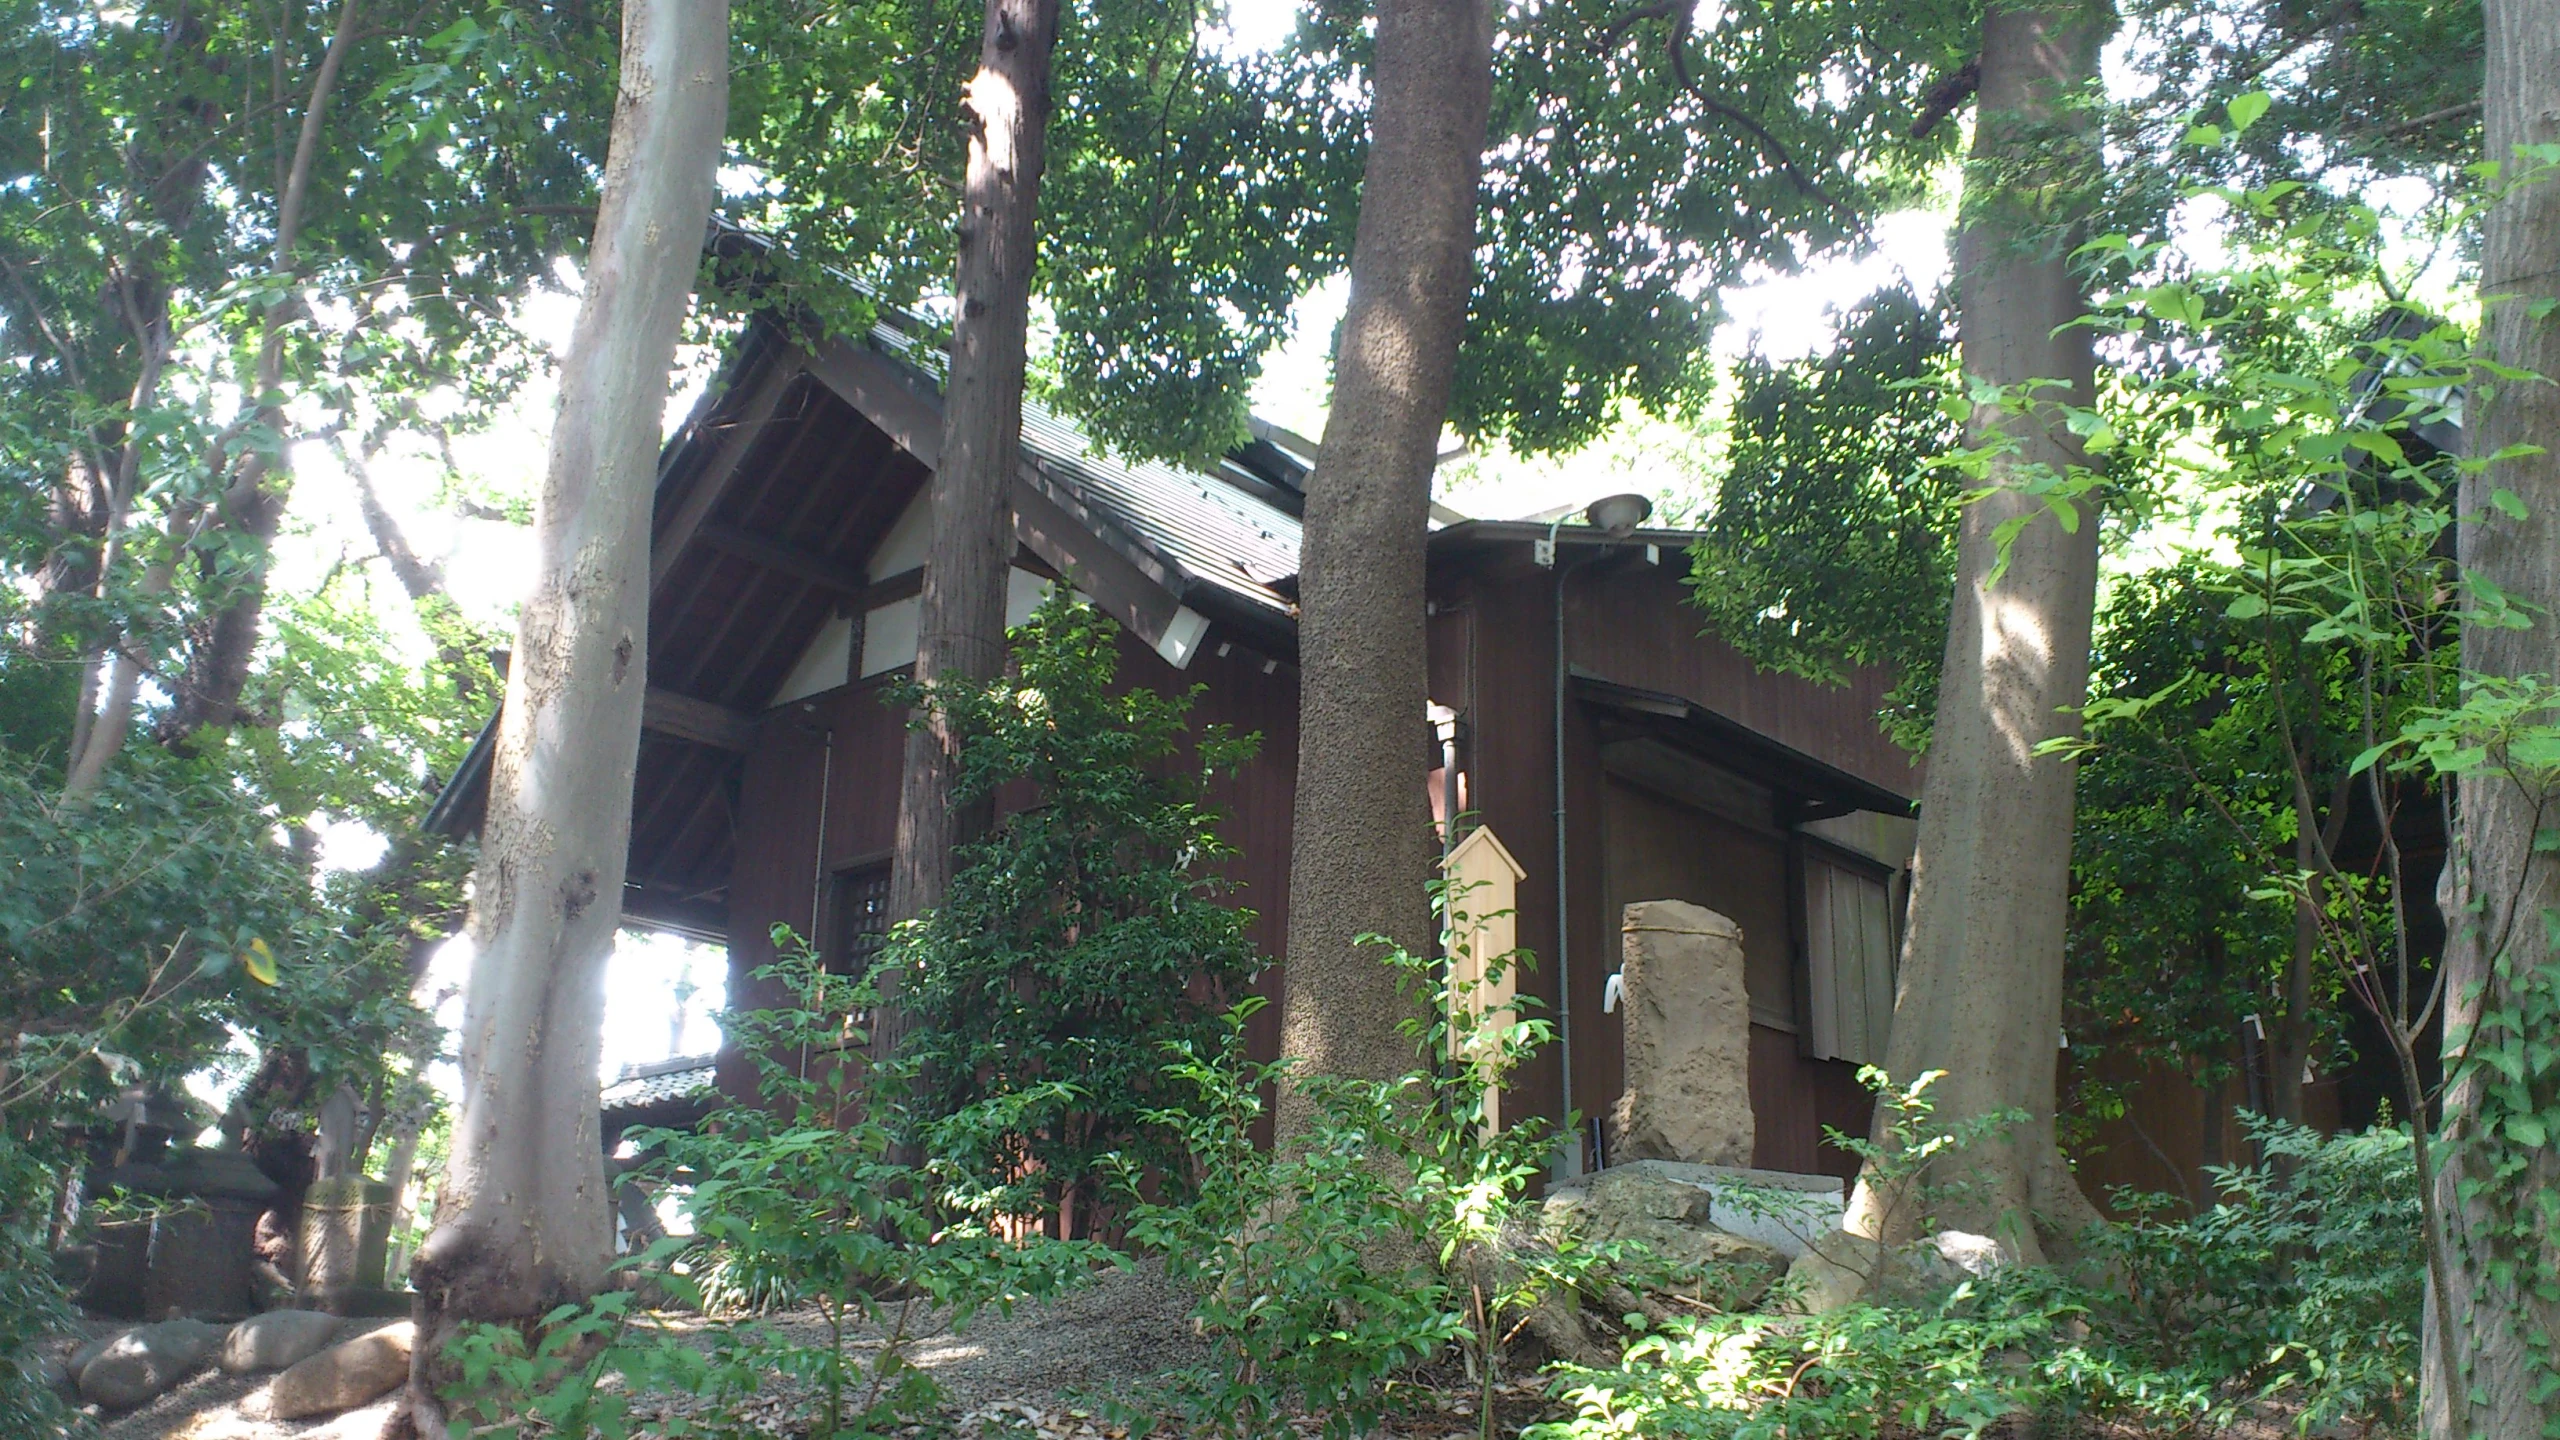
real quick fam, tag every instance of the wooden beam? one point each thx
(791, 560)
(891, 588)
(1094, 565)
(886, 393)
(685, 718)
(742, 434)
(1140, 593)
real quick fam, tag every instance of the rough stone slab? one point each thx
(345, 1376)
(1688, 1038)
(1779, 1208)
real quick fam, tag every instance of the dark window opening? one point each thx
(859, 920)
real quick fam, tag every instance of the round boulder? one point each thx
(277, 1340)
(344, 1376)
(139, 1364)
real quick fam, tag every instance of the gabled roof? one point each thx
(772, 500)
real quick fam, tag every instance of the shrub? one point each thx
(1390, 1232)
(1080, 937)
(799, 1198)
(2302, 1287)
(797, 1201)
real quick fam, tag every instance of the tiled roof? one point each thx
(681, 1078)
(1212, 531)
(1204, 528)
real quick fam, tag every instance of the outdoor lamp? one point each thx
(1619, 514)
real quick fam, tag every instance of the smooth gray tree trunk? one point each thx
(1363, 846)
(2498, 1192)
(525, 1220)
(960, 626)
(1980, 991)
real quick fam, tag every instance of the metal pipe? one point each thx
(1564, 907)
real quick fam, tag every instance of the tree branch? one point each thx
(1944, 97)
(1683, 17)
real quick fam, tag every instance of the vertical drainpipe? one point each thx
(1570, 1159)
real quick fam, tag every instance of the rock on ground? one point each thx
(277, 1340)
(1673, 1221)
(1841, 1270)
(137, 1365)
(345, 1376)
(1685, 1262)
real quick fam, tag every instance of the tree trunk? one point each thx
(2502, 968)
(210, 693)
(960, 627)
(1980, 994)
(1362, 848)
(526, 1222)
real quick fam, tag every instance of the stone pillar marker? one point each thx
(1688, 1039)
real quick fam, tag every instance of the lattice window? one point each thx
(860, 919)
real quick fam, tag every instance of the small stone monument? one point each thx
(346, 1223)
(191, 1255)
(1688, 1039)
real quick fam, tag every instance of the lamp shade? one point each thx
(1619, 514)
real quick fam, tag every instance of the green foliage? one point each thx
(1388, 1234)
(1079, 938)
(798, 1200)
(1830, 545)
(1615, 194)
(576, 1377)
(1912, 1169)
(2302, 1286)
(33, 1308)
(128, 926)
(2306, 1279)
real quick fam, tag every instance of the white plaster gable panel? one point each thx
(824, 665)
(908, 542)
(1023, 592)
(889, 635)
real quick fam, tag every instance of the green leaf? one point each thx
(2508, 503)
(2247, 110)
(2246, 607)
(2365, 760)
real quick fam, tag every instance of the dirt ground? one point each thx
(1014, 1372)
(1029, 1376)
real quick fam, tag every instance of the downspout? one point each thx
(1572, 1154)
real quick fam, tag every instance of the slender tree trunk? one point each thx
(210, 694)
(1362, 847)
(960, 630)
(1981, 984)
(2498, 1188)
(526, 1221)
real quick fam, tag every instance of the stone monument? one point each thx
(1688, 1039)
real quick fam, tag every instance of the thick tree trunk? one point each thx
(526, 1220)
(960, 630)
(1980, 993)
(1363, 845)
(2501, 964)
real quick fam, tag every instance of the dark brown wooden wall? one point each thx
(1629, 622)
(848, 745)
(1493, 659)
